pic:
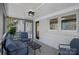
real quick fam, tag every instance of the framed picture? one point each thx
(37, 29)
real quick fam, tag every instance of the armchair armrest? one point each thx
(65, 45)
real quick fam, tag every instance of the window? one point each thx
(28, 28)
(68, 22)
(53, 24)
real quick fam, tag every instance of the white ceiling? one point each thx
(20, 9)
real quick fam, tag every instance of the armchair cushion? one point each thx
(10, 45)
(20, 44)
(22, 51)
(19, 51)
(24, 37)
(65, 51)
(75, 44)
(24, 34)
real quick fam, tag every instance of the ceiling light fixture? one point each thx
(31, 13)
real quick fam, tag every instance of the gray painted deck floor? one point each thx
(45, 50)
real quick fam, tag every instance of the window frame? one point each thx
(55, 21)
(69, 20)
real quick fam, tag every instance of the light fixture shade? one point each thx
(31, 13)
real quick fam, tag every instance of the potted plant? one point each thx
(11, 29)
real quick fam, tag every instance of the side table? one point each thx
(35, 46)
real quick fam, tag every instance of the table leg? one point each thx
(39, 50)
(34, 52)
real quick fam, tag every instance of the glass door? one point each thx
(29, 28)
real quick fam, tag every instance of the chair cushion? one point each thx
(10, 45)
(75, 44)
(23, 51)
(64, 51)
(24, 35)
(20, 44)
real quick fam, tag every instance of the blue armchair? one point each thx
(14, 47)
(70, 49)
(24, 37)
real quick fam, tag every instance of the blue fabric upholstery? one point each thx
(17, 34)
(15, 47)
(24, 37)
(24, 34)
(75, 44)
(74, 48)
(10, 45)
